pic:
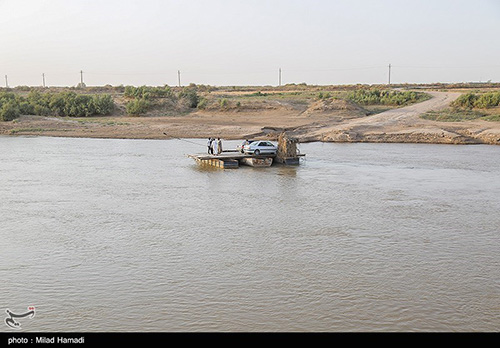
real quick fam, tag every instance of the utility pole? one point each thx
(6, 82)
(280, 78)
(389, 74)
(43, 80)
(179, 77)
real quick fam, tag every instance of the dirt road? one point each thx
(402, 117)
(409, 114)
(405, 125)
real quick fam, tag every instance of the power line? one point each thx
(336, 69)
(447, 67)
(267, 74)
(126, 74)
(292, 70)
(225, 72)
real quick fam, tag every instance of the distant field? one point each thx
(169, 101)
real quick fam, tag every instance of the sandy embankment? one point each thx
(317, 122)
(405, 125)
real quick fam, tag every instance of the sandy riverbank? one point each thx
(320, 121)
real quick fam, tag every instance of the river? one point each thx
(131, 235)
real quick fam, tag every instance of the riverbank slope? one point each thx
(239, 115)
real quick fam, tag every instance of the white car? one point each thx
(240, 147)
(260, 147)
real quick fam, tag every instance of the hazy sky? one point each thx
(245, 42)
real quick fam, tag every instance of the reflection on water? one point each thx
(131, 235)
(289, 171)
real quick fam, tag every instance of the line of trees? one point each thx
(386, 97)
(477, 101)
(54, 104)
(144, 98)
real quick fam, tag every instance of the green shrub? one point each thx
(202, 103)
(9, 111)
(259, 94)
(56, 104)
(223, 103)
(487, 100)
(6, 96)
(466, 100)
(26, 108)
(322, 95)
(60, 104)
(138, 106)
(103, 104)
(480, 101)
(144, 97)
(41, 110)
(365, 97)
(190, 95)
(386, 97)
(146, 92)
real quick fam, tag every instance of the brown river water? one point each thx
(131, 235)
